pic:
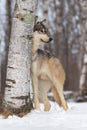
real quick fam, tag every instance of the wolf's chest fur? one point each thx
(41, 64)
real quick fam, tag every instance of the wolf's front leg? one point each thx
(36, 95)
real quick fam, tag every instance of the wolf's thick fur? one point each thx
(46, 72)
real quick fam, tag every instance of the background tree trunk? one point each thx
(4, 40)
(64, 17)
(83, 78)
(72, 22)
(17, 91)
(40, 9)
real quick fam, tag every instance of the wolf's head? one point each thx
(41, 32)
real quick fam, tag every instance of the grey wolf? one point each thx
(47, 72)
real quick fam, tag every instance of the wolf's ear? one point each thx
(44, 20)
(36, 18)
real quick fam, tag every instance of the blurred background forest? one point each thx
(67, 24)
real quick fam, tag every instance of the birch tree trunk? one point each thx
(17, 91)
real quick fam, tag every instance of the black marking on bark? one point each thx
(9, 90)
(17, 52)
(10, 103)
(22, 36)
(31, 11)
(8, 86)
(22, 19)
(11, 67)
(25, 9)
(29, 37)
(27, 81)
(21, 97)
(10, 80)
(20, 16)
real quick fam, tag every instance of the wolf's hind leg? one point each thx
(56, 96)
(59, 89)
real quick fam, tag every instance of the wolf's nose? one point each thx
(50, 39)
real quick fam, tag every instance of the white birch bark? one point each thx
(18, 69)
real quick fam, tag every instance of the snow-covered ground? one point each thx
(56, 119)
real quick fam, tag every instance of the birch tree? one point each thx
(17, 91)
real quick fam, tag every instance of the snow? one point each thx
(56, 119)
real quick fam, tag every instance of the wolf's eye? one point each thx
(42, 31)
